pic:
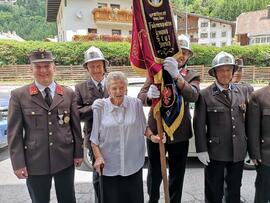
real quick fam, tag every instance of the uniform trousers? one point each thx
(39, 186)
(262, 184)
(123, 189)
(177, 156)
(218, 172)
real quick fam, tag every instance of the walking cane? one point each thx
(101, 197)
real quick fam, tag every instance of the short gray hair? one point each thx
(116, 75)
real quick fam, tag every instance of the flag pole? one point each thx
(162, 158)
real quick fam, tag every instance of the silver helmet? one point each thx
(221, 59)
(184, 42)
(94, 54)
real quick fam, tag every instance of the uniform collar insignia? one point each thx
(33, 89)
(59, 89)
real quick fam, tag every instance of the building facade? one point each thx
(253, 27)
(80, 17)
(206, 30)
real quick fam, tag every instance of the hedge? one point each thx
(67, 53)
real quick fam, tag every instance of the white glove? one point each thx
(171, 65)
(98, 104)
(156, 138)
(204, 157)
(153, 92)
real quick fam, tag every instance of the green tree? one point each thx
(27, 19)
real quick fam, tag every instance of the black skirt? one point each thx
(123, 189)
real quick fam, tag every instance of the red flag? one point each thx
(154, 39)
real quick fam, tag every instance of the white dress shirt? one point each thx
(119, 133)
(41, 88)
(102, 83)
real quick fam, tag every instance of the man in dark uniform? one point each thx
(219, 128)
(187, 82)
(237, 76)
(87, 92)
(44, 134)
(258, 131)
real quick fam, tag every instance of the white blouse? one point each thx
(119, 133)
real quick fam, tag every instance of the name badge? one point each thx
(60, 121)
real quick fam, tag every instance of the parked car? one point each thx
(133, 89)
(4, 99)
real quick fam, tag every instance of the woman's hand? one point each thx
(99, 165)
(156, 138)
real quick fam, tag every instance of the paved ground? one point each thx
(13, 190)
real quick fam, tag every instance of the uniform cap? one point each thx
(40, 55)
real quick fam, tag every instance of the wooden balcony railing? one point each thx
(112, 15)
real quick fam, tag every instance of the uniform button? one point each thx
(233, 135)
(231, 109)
(210, 141)
(51, 144)
(262, 141)
(50, 133)
(25, 147)
(49, 113)
(72, 141)
(234, 127)
(232, 118)
(50, 123)
(65, 111)
(215, 110)
(33, 113)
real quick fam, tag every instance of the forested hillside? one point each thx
(224, 9)
(27, 19)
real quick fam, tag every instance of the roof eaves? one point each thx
(52, 7)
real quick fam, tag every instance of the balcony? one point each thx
(111, 16)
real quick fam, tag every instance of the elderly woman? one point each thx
(118, 143)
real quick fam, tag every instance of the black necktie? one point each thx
(100, 88)
(48, 96)
(227, 95)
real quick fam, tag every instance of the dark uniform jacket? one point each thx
(258, 125)
(249, 88)
(43, 139)
(190, 93)
(86, 94)
(219, 125)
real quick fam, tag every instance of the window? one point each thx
(204, 24)
(263, 40)
(101, 5)
(223, 44)
(213, 25)
(268, 39)
(257, 40)
(116, 32)
(213, 44)
(115, 6)
(92, 30)
(130, 32)
(223, 34)
(204, 35)
(213, 35)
